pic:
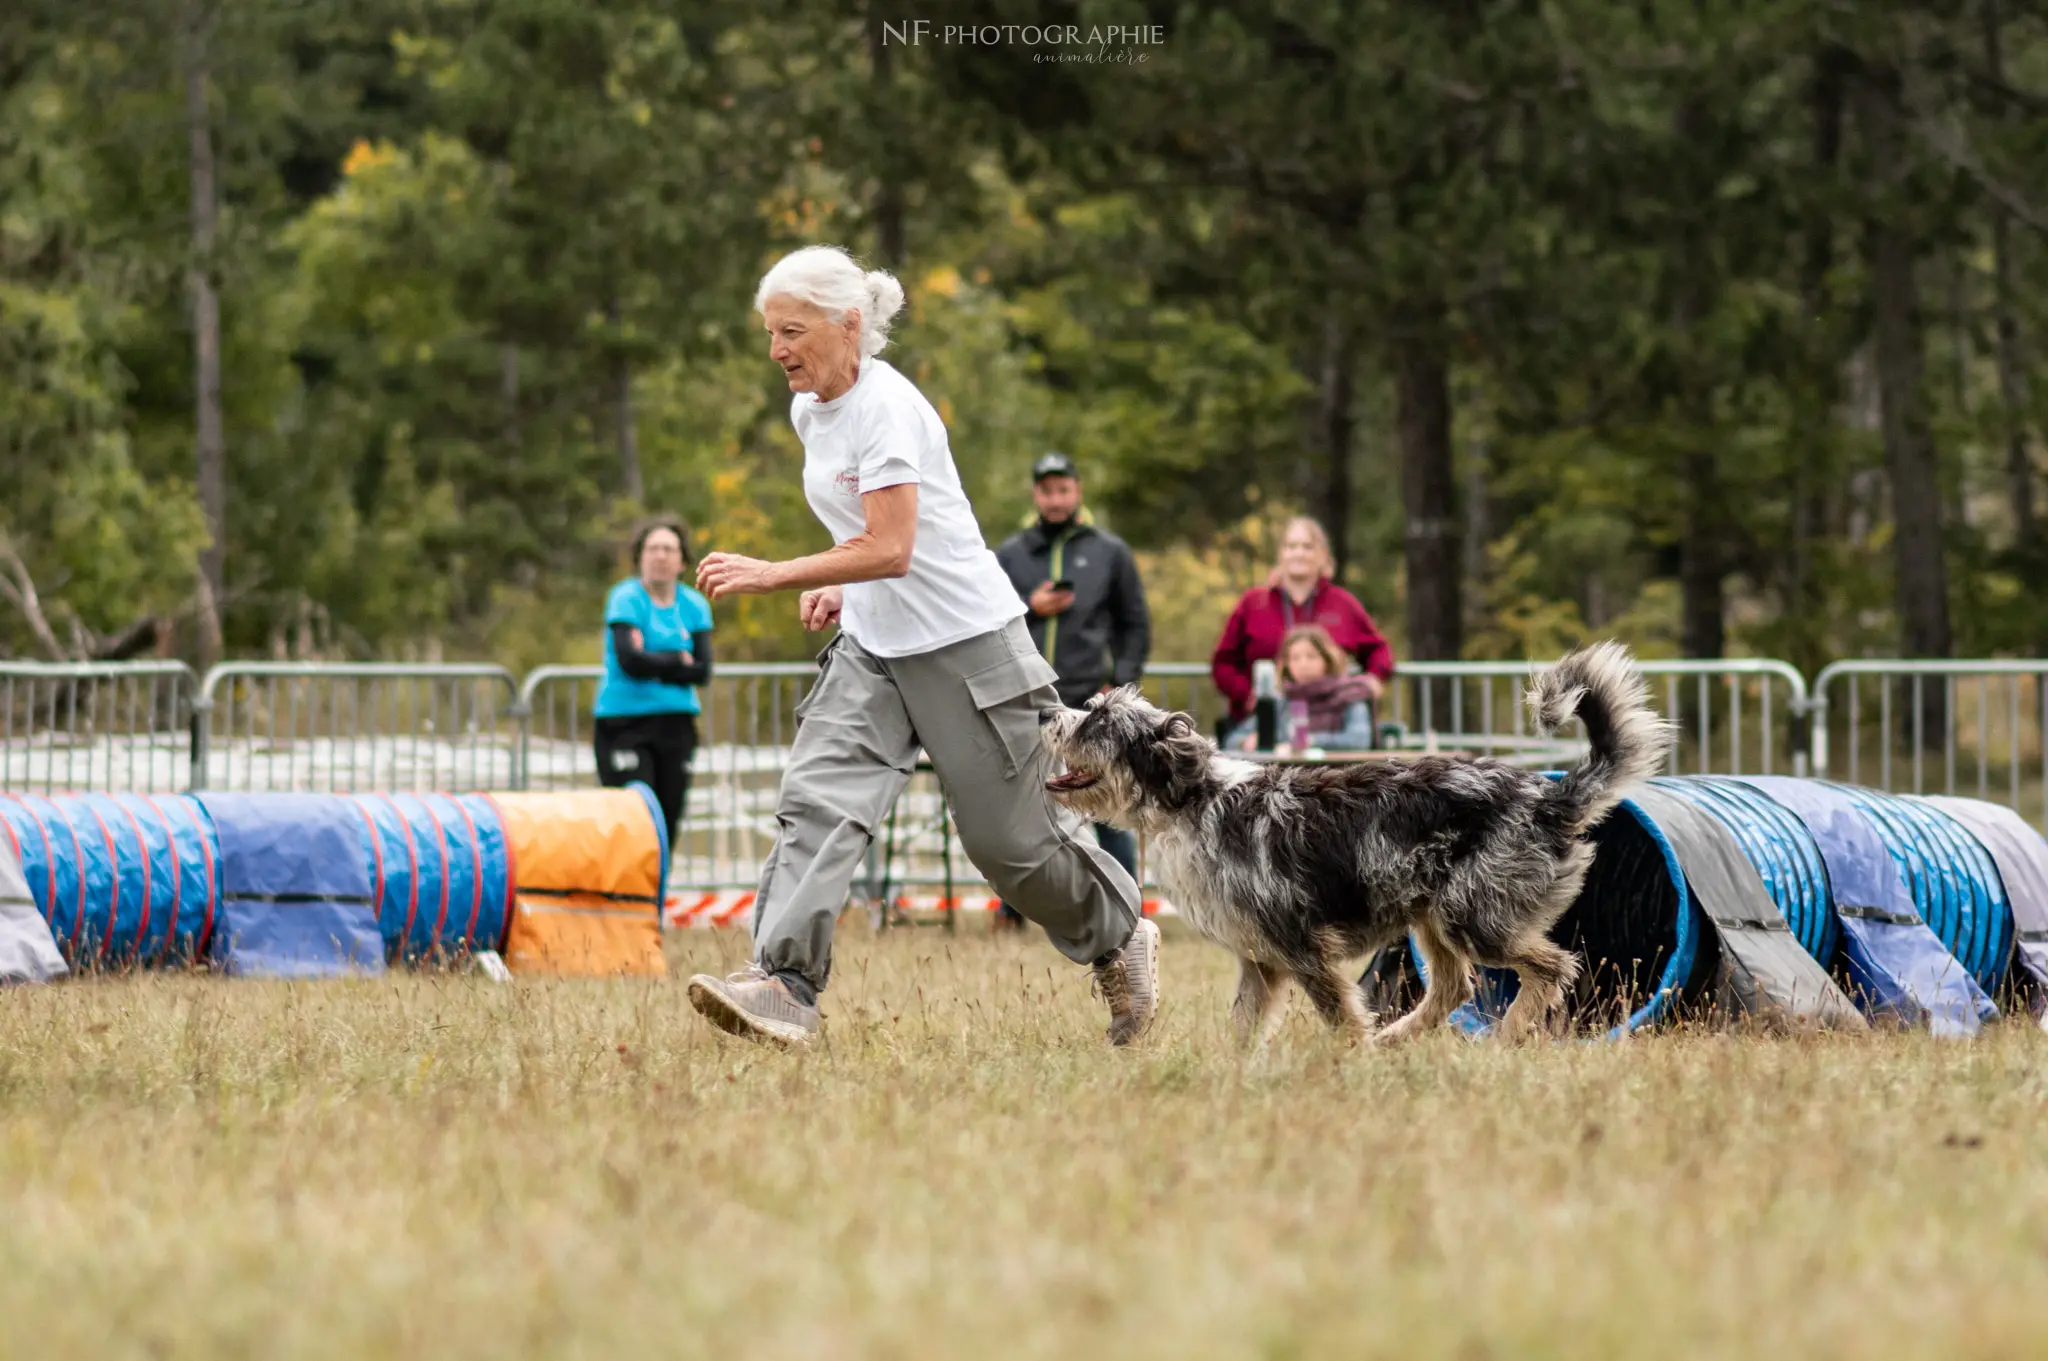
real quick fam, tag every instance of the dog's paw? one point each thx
(1526, 1030)
(1400, 1030)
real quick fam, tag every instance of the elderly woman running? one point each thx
(932, 652)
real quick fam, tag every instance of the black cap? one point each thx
(1054, 464)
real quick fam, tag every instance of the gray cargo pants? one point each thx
(973, 707)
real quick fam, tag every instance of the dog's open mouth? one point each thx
(1071, 782)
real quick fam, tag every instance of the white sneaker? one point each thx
(755, 1004)
(1129, 981)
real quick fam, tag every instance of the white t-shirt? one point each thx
(883, 433)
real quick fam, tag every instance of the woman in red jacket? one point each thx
(1301, 593)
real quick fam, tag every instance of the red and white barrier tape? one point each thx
(725, 908)
(733, 907)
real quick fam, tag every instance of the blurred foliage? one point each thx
(486, 270)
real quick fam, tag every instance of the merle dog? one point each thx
(1299, 870)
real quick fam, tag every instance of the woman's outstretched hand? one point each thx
(724, 574)
(820, 609)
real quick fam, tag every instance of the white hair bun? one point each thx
(885, 300)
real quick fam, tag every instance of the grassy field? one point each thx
(447, 1168)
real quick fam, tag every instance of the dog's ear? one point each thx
(1181, 760)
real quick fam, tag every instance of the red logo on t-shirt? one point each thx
(848, 482)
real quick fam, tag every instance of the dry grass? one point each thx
(444, 1168)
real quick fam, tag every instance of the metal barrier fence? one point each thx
(305, 725)
(1736, 716)
(95, 725)
(743, 735)
(1973, 728)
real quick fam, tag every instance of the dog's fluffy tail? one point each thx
(1601, 686)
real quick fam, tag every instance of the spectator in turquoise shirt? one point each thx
(657, 651)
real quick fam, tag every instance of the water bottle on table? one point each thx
(1266, 703)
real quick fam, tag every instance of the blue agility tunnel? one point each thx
(1823, 857)
(1898, 905)
(1688, 904)
(1893, 963)
(440, 873)
(2021, 857)
(161, 854)
(1775, 895)
(1799, 897)
(266, 883)
(296, 899)
(1956, 888)
(1782, 850)
(49, 851)
(120, 879)
(1647, 950)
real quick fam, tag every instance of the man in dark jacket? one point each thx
(1087, 606)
